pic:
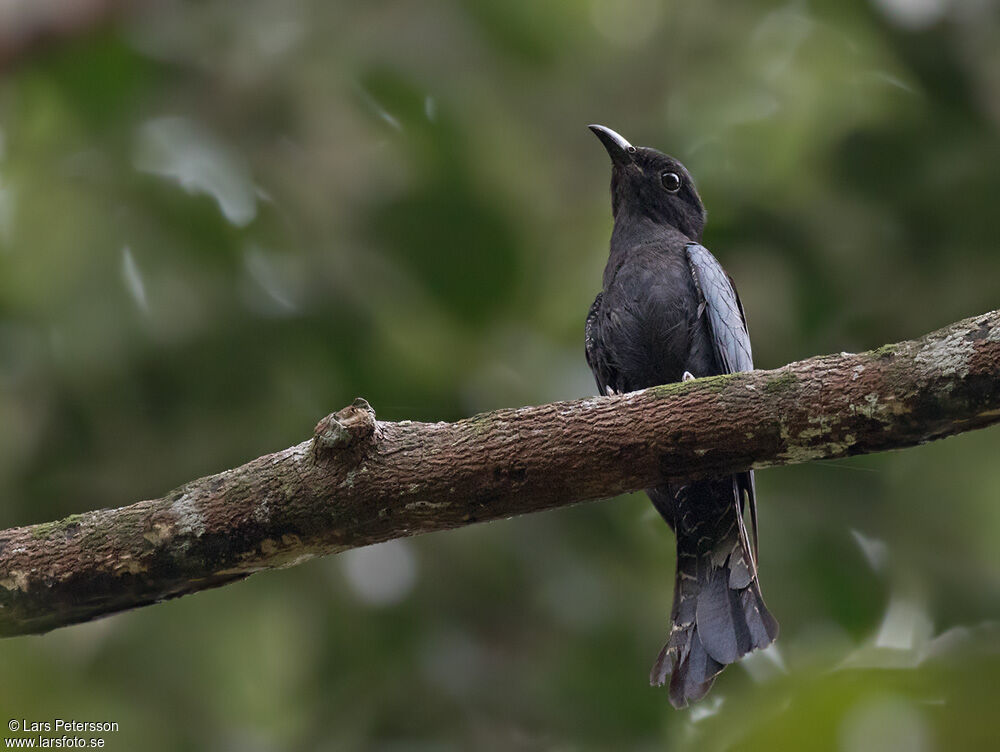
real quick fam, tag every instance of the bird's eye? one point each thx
(631, 150)
(671, 181)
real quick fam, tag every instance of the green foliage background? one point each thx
(221, 221)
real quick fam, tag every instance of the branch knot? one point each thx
(351, 429)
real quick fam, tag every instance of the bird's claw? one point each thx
(688, 376)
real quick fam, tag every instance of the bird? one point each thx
(669, 312)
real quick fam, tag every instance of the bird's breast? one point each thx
(651, 307)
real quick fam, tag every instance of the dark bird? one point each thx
(669, 312)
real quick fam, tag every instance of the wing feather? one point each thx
(598, 357)
(731, 341)
(725, 311)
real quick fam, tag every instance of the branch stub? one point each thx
(352, 427)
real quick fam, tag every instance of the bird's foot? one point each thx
(688, 376)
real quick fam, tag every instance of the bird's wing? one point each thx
(598, 357)
(725, 312)
(720, 303)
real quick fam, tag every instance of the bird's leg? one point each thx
(688, 376)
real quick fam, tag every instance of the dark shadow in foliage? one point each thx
(444, 229)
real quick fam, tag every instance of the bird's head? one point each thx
(646, 183)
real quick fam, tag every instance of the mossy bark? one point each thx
(360, 481)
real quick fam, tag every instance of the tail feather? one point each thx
(720, 619)
(763, 626)
(718, 614)
(695, 675)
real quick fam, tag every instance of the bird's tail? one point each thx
(718, 613)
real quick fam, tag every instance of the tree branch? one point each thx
(361, 481)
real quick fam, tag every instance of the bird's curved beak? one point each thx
(619, 149)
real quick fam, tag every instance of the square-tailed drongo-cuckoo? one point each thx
(669, 312)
